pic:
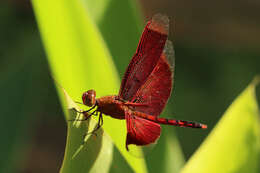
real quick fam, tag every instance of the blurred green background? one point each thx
(217, 55)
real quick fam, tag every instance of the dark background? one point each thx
(217, 55)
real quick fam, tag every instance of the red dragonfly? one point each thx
(145, 88)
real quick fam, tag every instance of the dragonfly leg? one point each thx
(82, 112)
(85, 113)
(99, 124)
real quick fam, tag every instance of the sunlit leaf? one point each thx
(98, 148)
(234, 144)
(166, 156)
(174, 159)
(80, 61)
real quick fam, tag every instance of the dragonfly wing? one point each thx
(148, 52)
(154, 93)
(141, 131)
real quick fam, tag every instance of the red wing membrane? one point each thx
(148, 52)
(141, 131)
(156, 90)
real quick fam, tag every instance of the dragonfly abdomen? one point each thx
(180, 123)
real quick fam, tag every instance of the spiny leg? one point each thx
(82, 112)
(86, 116)
(85, 113)
(99, 124)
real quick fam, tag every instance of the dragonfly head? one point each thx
(89, 98)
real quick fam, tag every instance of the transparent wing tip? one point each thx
(168, 48)
(160, 23)
(169, 53)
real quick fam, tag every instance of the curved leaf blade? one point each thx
(234, 144)
(80, 61)
(94, 154)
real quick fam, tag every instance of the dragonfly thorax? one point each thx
(89, 98)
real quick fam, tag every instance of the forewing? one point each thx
(154, 93)
(148, 52)
(141, 131)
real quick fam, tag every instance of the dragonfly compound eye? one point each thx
(89, 98)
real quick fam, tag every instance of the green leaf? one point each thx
(98, 148)
(79, 60)
(168, 150)
(121, 32)
(234, 144)
(22, 88)
(173, 155)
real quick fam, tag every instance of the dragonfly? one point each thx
(145, 88)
